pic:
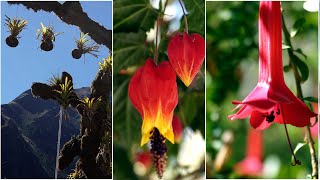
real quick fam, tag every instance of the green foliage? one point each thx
(285, 46)
(296, 149)
(227, 47)
(297, 26)
(310, 99)
(130, 49)
(302, 66)
(132, 15)
(196, 21)
(15, 26)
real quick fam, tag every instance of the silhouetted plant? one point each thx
(93, 144)
(61, 90)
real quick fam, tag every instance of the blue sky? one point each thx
(27, 63)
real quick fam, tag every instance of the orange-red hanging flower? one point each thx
(271, 100)
(252, 164)
(153, 92)
(186, 55)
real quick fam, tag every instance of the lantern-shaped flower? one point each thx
(271, 100)
(252, 164)
(186, 55)
(153, 92)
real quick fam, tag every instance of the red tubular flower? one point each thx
(153, 92)
(186, 55)
(271, 100)
(252, 164)
(177, 128)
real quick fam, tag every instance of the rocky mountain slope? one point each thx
(29, 129)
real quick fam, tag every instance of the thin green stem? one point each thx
(159, 20)
(156, 51)
(296, 161)
(297, 77)
(185, 17)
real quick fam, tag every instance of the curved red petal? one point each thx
(258, 120)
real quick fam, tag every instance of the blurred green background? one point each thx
(133, 44)
(231, 74)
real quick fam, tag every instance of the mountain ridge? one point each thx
(29, 125)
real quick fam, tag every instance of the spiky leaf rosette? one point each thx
(84, 47)
(47, 33)
(106, 65)
(15, 26)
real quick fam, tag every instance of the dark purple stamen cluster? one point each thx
(270, 118)
(158, 151)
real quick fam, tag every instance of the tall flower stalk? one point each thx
(65, 93)
(271, 100)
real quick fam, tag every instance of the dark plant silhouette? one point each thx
(93, 144)
(60, 89)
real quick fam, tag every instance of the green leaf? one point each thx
(302, 66)
(284, 46)
(132, 15)
(311, 99)
(129, 49)
(309, 176)
(127, 121)
(187, 111)
(298, 147)
(300, 52)
(297, 26)
(123, 170)
(195, 15)
(287, 68)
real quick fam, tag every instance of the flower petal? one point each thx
(258, 120)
